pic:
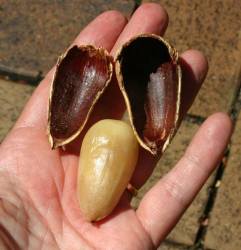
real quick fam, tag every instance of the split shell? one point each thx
(150, 79)
(81, 76)
(148, 75)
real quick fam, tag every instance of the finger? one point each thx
(194, 68)
(98, 33)
(163, 205)
(148, 18)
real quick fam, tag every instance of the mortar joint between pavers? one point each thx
(213, 190)
(195, 119)
(177, 244)
(29, 77)
(236, 104)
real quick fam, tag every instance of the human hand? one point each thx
(38, 205)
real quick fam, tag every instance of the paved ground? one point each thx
(33, 35)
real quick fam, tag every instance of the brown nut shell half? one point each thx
(149, 77)
(81, 76)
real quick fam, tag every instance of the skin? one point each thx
(38, 206)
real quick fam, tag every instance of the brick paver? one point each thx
(34, 33)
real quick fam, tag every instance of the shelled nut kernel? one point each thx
(108, 157)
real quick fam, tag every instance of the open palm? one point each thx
(38, 206)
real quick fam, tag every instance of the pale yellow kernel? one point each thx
(108, 158)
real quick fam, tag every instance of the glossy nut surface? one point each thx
(108, 158)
